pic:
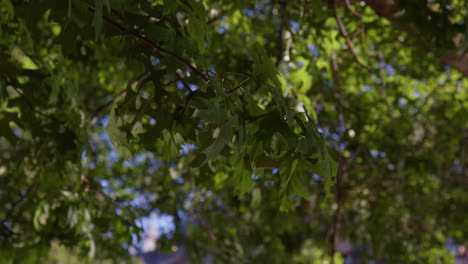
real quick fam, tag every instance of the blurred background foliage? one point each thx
(265, 131)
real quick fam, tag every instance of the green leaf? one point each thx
(302, 77)
(223, 138)
(264, 68)
(170, 6)
(212, 113)
(118, 134)
(173, 142)
(41, 215)
(291, 172)
(197, 22)
(326, 168)
(290, 187)
(98, 18)
(91, 244)
(8, 8)
(241, 179)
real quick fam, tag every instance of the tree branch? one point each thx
(340, 200)
(157, 50)
(387, 9)
(351, 9)
(351, 47)
(118, 97)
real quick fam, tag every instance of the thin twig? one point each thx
(157, 50)
(117, 98)
(351, 9)
(103, 107)
(117, 14)
(238, 86)
(351, 47)
(336, 68)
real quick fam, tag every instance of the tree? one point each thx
(282, 130)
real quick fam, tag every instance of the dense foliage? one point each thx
(276, 129)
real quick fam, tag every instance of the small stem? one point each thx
(117, 98)
(238, 86)
(237, 73)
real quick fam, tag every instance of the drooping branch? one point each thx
(157, 50)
